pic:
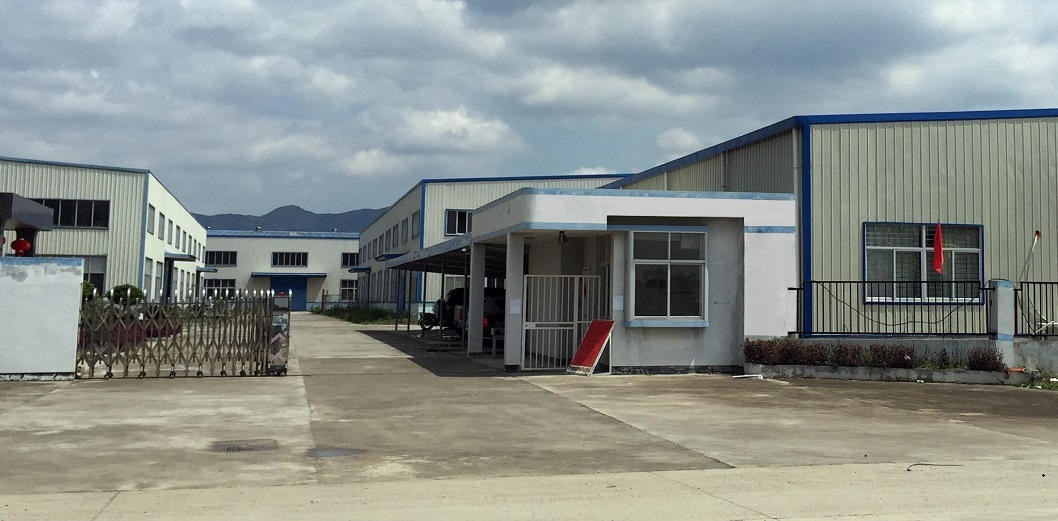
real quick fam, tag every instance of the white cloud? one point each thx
(679, 141)
(588, 170)
(371, 162)
(452, 131)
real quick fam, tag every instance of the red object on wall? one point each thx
(938, 250)
(20, 246)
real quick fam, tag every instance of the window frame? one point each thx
(449, 232)
(415, 218)
(924, 250)
(290, 258)
(699, 320)
(71, 213)
(354, 256)
(345, 286)
(228, 258)
(211, 286)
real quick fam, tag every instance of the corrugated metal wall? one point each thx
(122, 243)
(764, 166)
(1002, 174)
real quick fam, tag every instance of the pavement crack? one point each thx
(103, 509)
(725, 500)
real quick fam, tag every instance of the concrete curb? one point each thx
(882, 374)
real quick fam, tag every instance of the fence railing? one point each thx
(888, 308)
(1036, 309)
(215, 337)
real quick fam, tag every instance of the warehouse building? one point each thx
(431, 212)
(817, 225)
(871, 190)
(311, 267)
(123, 222)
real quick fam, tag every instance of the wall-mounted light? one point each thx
(562, 237)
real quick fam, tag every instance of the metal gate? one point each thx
(558, 310)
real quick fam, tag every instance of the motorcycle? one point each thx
(427, 320)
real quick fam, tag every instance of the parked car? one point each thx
(452, 314)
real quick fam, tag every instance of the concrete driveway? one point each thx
(369, 423)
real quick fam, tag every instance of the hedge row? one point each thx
(790, 351)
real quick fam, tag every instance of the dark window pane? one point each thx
(101, 215)
(651, 290)
(67, 212)
(54, 205)
(84, 214)
(650, 246)
(686, 292)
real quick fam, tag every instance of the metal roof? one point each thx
(74, 165)
(826, 119)
(452, 257)
(274, 234)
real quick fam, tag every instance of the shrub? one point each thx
(126, 294)
(762, 351)
(894, 356)
(942, 360)
(362, 315)
(809, 354)
(847, 356)
(88, 291)
(985, 359)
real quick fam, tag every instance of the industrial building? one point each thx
(431, 212)
(311, 267)
(815, 225)
(123, 222)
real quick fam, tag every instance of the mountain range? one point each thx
(295, 219)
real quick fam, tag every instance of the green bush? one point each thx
(809, 354)
(126, 294)
(88, 291)
(985, 359)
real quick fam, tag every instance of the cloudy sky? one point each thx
(242, 105)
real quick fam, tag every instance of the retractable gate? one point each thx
(558, 310)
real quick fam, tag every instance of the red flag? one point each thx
(938, 250)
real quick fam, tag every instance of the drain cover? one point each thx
(333, 452)
(244, 445)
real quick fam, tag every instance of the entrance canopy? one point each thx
(452, 256)
(19, 213)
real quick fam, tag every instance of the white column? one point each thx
(476, 311)
(512, 321)
(620, 299)
(1001, 320)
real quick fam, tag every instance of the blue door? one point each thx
(297, 285)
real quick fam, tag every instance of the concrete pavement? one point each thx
(371, 425)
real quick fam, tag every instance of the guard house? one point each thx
(684, 275)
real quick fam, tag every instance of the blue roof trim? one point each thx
(461, 241)
(275, 234)
(287, 274)
(74, 165)
(770, 229)
(823, 119)
(747, 139)
(442, 180)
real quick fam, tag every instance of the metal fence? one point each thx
(558, 311)
(204, 337)
(888, 308)
(1036, 309)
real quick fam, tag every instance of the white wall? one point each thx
(40, 301)
(255, 255)
(155, 246)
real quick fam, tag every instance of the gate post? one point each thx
(1001, 311)
(513, 334)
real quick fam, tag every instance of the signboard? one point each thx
(279, 343)
(591, 347)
